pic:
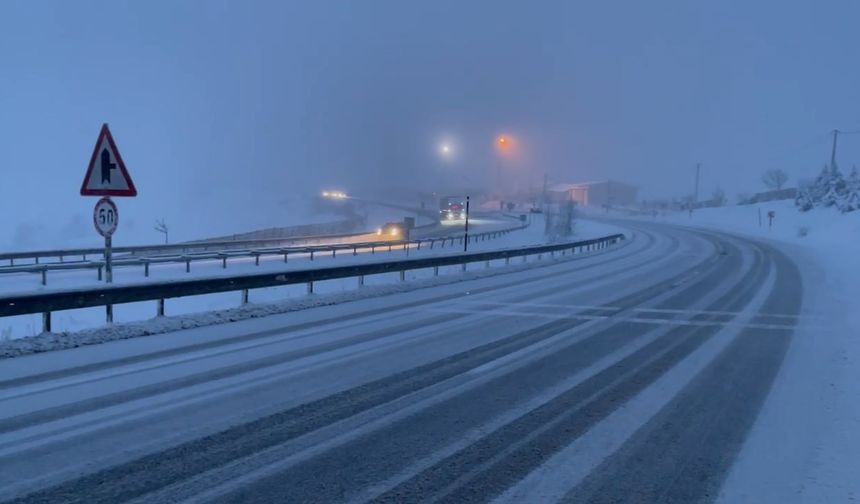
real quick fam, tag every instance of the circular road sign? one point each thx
(105, 217)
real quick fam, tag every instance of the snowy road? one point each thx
(632, 375)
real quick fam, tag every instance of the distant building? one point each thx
(594, 194)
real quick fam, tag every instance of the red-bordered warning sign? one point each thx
(106, 173)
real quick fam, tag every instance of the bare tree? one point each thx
(774, 178)
(161, 227)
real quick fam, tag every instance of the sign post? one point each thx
(466, 237)
(106, 220)
(107, 176)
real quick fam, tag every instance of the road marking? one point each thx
(641, 310)
(642, 320)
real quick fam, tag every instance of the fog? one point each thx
(231, 115)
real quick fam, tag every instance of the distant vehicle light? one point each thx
(462, 215)
(379, 231)
(394, 231)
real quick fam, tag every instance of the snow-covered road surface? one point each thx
(633, 375)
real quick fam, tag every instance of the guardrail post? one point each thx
(109, 313)
(224, 261)
(46, 322)
(83, 257)
(100, 273)
(463, 267)
(256, 259)
(389, 247)
(540, 256)
(61, 258)
(402, 276)
(188, 265)
(159, 310)
(312, 255)
(285, 256)
(44, 275)
(37, 259)
(310, 287)
(507, 261)
(361, 280)
(11, 262)
(552, 254)
(373, 249)
(435, 271)
(419, 245)
(333, 253)
(431, 244)
(354, 250)
(145, 268)
(245, 295)
(486, 264)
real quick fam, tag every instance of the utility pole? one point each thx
(833, 152)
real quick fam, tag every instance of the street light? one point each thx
(503, 144)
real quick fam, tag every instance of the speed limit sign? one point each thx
(105, 217)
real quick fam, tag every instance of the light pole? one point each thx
(466, 237)
(503, 145)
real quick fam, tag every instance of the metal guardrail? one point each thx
(36, 255)
(225, 254)
(85, 297)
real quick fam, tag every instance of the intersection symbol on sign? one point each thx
(106, 173)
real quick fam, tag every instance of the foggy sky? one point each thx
(224, 111)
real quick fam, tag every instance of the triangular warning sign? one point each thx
(106, 174)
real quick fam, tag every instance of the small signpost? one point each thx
(107, 176)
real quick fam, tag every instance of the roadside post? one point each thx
(466, 237)
(770, 216)
(107, 176)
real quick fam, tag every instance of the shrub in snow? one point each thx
(830, 189)
(835, 189)
(851, 201)
(804, 200)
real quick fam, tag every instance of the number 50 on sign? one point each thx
(105, 217)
